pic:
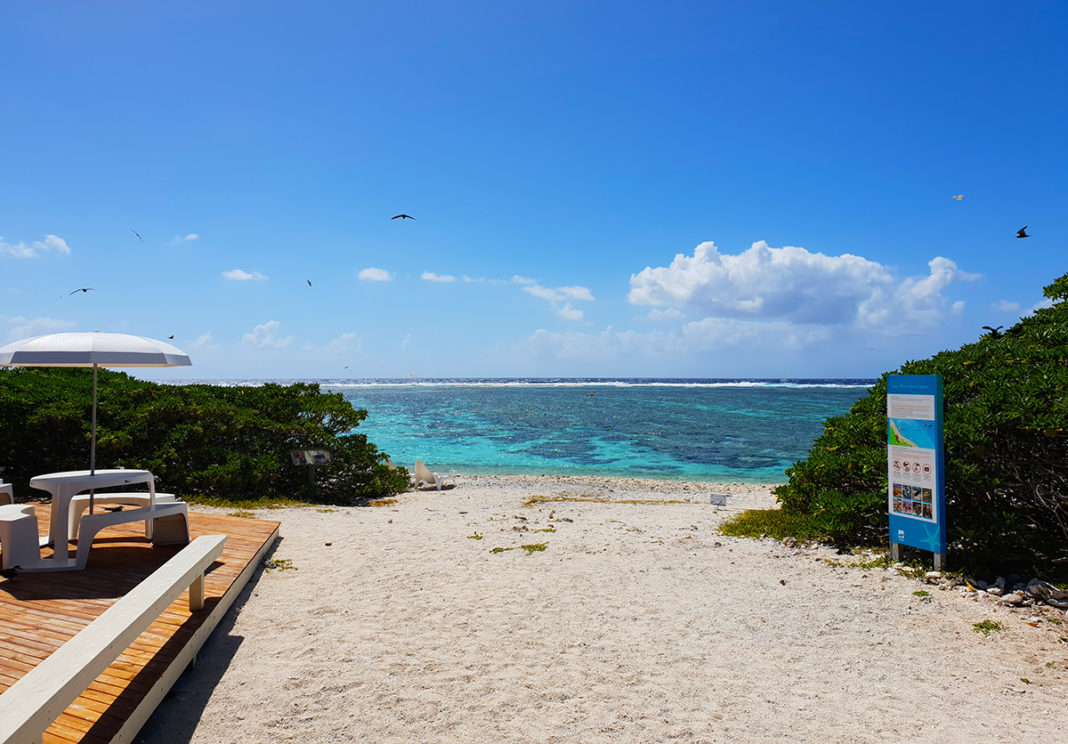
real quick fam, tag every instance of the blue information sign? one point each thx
(916, 461)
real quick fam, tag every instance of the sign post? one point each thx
(916, 464)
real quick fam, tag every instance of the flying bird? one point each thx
(137, 234)
(171, 337)
(994, 332)
(403, 217)
(82, 289)
(1021, 234)
(958, 197)
(309, 282)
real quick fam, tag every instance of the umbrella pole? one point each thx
(92, 448)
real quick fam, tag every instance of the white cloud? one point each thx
(711, 334)
(430, 276)
(607, 344)
(20, 327)
(1042, 304)
(184, 238)
(265, 336)
(567, 312)
(205, 341)
(794, 285)
(32, 250)
(1004, 306)
(191, 237)
(559, 298)
(347, 341)
(237, 275)
(667, 314)
(498, 282)
(372, 274)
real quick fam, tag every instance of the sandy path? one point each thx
(636, 623)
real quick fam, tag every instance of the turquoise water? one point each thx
(718, 431)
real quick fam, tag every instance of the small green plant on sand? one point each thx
(921, 593)
(380, 502)
(244, 514)
(771, 523)
(280, 564)
(326, 511)
(986, 627)
(532, 548)
(593, 498)
(545, 529)
(475, 536)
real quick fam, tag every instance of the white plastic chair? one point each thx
(424, 475)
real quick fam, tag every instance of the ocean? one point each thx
(746, 431)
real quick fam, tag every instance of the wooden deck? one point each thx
(41, 611)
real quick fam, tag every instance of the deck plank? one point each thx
(39, 612)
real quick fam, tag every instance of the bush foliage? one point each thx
(1006, 439)
(203, 441)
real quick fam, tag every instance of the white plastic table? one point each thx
(65, 486)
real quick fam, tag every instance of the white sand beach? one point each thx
(636, 623)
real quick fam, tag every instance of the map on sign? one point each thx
(911, 433)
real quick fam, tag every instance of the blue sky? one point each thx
(698, 189)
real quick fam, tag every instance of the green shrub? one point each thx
(203, 441)
(1006, 439)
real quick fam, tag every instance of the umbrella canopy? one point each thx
(92, 349)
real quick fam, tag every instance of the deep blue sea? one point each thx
(705, 430)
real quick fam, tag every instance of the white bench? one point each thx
(80, 503)
(38, 698)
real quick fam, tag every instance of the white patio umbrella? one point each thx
(92, 349)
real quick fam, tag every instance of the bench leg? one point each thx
(196, 594)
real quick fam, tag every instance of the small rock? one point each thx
(932, 576)
(1013, 598)
(980, 584)
(997, 591)
(789, 543)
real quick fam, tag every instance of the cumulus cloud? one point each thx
(347, 341)
(51, 243)
(205, 341)
(666, 314)
(20, 327)
(559, 298)
(371, 274)
(794, 285)
(483, 280)
(1005, 306)
(184, 238)
(609, 343)
(430, 276)
(237, 275)
(265, 336)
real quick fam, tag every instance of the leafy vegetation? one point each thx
(1006, 439)
(986, 627)
(219, 444)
